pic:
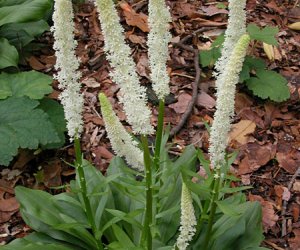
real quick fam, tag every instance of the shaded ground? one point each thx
(266, 134)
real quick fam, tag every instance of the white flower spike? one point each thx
(225, 102)
(67, 66)
(158, 39)
(188, 220)
(118, 53)
(121, 141)
(235, 29)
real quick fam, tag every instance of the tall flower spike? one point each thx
(225, 102)
(67, 66)
(188, 219)
(122, 143)
(118, 53)
(235, 29)
(158, 40)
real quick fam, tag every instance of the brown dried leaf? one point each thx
(102, 152)
(132, 18)
(288, 157)
(240, 130)
(282, 193)
(256, 156)
(182, 103)
(269, 218)
(295, 242)
(205, 100)
(7, 208)
(212, 10)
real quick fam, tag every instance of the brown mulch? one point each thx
(267, 134)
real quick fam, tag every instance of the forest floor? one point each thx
(266, 134)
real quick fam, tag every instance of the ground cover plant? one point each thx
(137, 208)
(22, 93)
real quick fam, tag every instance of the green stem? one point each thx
(212, 213)
(204, 214)
(146, 234)
(159, 132)
(83, 188)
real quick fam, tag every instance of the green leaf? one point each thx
(35, 240)
(238, 232)
(9, 54)
(269, 84)
(122, 237)
(221, 6)
(251, 64)
(40, 212)
(23, 126)
(55, 112)
(20, 34)
(33, 84)
(209, 57)
(227, 190)
(266, 35)
(19, 11)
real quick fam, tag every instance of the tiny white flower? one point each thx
(133, 95)
(67, 66)
(158, 40)
(188, 219)
(225, 102)
(121, 141)
(235, 29)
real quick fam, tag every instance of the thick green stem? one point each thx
(159, 132)
(148, 220)
(213, 208)
(83, 188)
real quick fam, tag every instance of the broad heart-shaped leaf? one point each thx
(20, 34)
(266, 34)
(56, 116)
(250, 64)
(9, 54)
(269, 84)
(18, 11)
(23, 126)
(33, 84)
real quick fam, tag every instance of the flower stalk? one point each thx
(235, 29)
(133, 95)
(121, 141)
(83, 188)
(146, 237)
(188, 220)
(225, 102)
(67, 65)
(158, 39)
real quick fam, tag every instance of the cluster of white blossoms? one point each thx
(188, 220)
(225, 102)
(158, 39)
(121, 141)
(118, 53)
(235, 29)
(67, 66)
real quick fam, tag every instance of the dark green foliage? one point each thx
(22, 125)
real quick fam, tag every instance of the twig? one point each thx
(273, 245)
(285, 202)
(195, 84)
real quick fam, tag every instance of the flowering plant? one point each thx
(159, 203)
